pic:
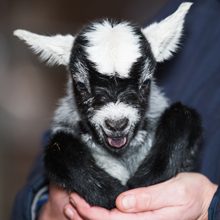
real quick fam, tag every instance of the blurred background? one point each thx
(29, 90)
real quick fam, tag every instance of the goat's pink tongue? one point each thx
(117, 142)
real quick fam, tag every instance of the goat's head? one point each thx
(111, 66)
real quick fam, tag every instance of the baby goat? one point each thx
(115, 130)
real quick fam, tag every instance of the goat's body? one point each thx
(115, 129)
(79, 164)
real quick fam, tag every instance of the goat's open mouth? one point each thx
(117, 142)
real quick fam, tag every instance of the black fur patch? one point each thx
(177, 140)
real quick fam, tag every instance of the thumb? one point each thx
(149, 198)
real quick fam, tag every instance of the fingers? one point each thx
(137, 203)
(88, 212)
(71, 213)
(148, 198)
(85, 210)
(93, 213)
(186, 196)
(96, 213)
(68, 211)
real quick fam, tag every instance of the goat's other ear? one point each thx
(53, 49)
(165, 35)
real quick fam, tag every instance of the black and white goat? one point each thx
(115, 129)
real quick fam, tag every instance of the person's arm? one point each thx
(187, 196)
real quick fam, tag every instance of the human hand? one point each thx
(187, 196)
(57, 205)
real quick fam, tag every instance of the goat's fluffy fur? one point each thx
(115, 129)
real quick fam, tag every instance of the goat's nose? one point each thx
(119, 125)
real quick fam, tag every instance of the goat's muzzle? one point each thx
(116, 132)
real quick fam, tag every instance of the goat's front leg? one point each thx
(69, 164)
(176, 143)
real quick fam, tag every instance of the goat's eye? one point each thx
(81, 85)
(146, 82)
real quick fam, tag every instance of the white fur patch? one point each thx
(115, 112)
(165, 35)
(121, 168)
(112, 166)
(54, 49)
(104, 160)
(113, 49)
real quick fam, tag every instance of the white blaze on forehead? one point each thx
(115, 112)
(113, 49)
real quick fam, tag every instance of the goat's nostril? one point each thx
(119, 125)
(123, 124)
(110, 125)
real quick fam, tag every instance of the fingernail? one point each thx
(72, 201)
(129, 202)
(68, 213)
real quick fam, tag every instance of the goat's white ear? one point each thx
(165, 35)
(53, 49)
